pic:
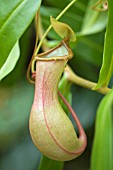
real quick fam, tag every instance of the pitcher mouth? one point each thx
(52, 55)
(56, 53)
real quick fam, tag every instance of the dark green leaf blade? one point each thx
(103, 140)
(13, 23)
(49, 164)
(107, 65)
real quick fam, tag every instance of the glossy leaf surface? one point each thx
(15, 16)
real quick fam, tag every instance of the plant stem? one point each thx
(49, 28)
(83, 82)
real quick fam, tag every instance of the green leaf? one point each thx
(11, 61)
(49, 164)
(63, 30)
(15, 17)
(107, 64)
(94, 21)
(102, 157)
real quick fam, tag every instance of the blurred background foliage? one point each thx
(17, 152)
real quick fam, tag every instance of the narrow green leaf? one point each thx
(15, 17)
(11, 61)
(102, 157)
(63, 30)
(107, 64)
(49, 164)
(94, 21)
